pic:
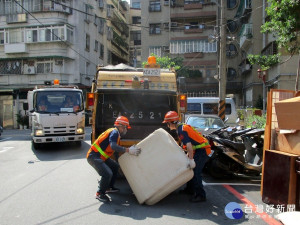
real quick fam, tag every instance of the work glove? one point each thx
(133, 150)
(191, 164)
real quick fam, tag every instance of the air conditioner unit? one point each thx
(166, 25)
(29, 69)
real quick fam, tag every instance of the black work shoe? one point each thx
(197, 198)
(186, 191)
(101, 197)
(112, 190)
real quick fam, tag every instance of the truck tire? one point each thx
(36, 146)
(78, 143)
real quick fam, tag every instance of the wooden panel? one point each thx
(271, 121)
(280, 178)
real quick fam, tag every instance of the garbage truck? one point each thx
(143, 95)
(56, 114)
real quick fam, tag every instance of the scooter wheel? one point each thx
(215, 171)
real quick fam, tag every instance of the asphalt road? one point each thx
(56, 185)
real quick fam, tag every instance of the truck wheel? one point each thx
(36, 145)
(78, 143)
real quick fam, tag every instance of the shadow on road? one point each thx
(61, 151)
(126, 205)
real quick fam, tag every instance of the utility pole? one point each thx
(222, 63)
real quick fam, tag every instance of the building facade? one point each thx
(43, 40)
(190, 29)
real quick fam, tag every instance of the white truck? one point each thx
(56, 114)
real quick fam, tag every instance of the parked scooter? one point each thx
(231, 157)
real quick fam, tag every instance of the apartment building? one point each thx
(183, 28)
(252, 41)
(135, 34)
(43, 40)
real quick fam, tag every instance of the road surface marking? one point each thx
(231, 184)
(5, 149)
(6, 139)
(264, 216)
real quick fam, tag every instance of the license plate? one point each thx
(60, 139)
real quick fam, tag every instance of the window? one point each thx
(10, 67)
(44, 66)
(87, 42)
(44, 34)
(101, 25)
(212, 108)
(58, 34)
(231, 50)
(1, 37)
(232, 25)
(69, 34)
(194, 107)
(136, 5)
(156, 50)
(154, 6)
(96, 46)
(231, 4)
(87, 13)
(16, 36)
(180, 47)
(193, 1)
(136, 37)
(231, 74)
(96, 20)
(101, 4)
(31, 36)
(154, 28)
(136, 20)
(101, 51)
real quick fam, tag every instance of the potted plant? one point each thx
(26, 121)
(20, 120)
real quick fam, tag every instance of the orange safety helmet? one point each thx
(171, 116)
(122, 120)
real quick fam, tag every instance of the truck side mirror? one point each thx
(25, 106)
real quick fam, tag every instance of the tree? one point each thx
(177, 64)
(284, 23)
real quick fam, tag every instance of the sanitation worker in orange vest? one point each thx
(198, 151)
(100, 152)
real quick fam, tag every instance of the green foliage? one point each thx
(177, 64)
(22, 120)
(265, 61)
(255, 121)
(284, 23)
(19, 118)
(166, 62)
(241, 114)
(259, 102)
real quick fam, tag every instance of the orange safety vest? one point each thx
(198, 137)
(106, 153)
